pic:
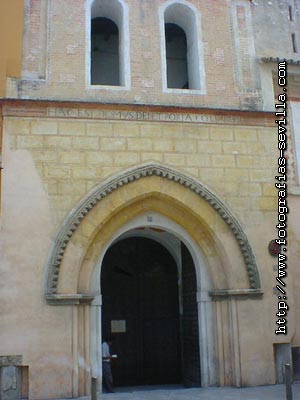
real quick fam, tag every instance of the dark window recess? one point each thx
(176, 55)
(282, 352)
(291, 18)
(296, 362)
(25, 382)
(104, 52)
(295, 44)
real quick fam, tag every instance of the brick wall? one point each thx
(56, 53)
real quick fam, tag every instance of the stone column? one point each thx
(207, 339)
(75, 352)
(220, 336)
(96, 340)
(235, 342)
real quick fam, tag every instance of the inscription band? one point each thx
(141, 116)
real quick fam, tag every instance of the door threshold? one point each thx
(147, 388)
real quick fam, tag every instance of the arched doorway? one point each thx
(149, 304)
(155, 196)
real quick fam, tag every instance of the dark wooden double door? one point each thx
(140, 297)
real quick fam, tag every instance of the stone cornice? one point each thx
(69, 299)
(239, 294)
(279, 59)
(124, 178)
(6, 361)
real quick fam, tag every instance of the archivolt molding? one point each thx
(124, 178)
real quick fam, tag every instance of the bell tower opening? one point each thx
(149, 305)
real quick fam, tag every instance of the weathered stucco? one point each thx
(200, 166)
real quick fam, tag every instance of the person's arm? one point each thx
(107, 358)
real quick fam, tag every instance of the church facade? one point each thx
(149, 190)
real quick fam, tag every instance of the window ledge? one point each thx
(185, 91)
(108, 87)
(295, 190)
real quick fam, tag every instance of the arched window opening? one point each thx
(182, 62)
(108, 54)
(176, 56)
(104, 52)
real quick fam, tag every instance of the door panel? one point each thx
(190, 329)
(161, 359)
(139, 284)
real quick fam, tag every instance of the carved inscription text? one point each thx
(142, 116)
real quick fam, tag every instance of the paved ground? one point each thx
(274, 392)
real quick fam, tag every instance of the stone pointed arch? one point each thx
(75, 217)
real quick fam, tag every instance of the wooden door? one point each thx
(190, 329)
(139, 284)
